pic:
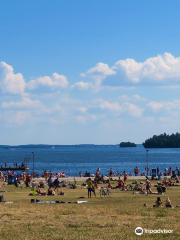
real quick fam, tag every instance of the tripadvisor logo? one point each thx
(139, 231)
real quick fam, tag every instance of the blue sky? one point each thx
(76, 72)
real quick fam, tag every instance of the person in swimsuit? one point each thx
(110, 172)
(90, 187)
(168, 203)
(46, 175)
(120, 182)
(148, 186)
(159, 202)
(125, 176)
(136, 171)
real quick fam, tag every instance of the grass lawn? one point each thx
(99, 218)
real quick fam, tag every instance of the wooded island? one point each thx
(127, 144)
(163, 141)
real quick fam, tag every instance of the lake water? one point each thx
(74, 158)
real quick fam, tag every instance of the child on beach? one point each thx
(90, 188)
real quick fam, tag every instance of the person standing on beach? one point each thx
(136, 171)
(56, 184)
(120, 182)
(170, 171)
(98, 173)
(110, 172)
(46, 175)
(125, 176)
(90, 187)
(148, 186)
(50, 174)
(24, 176)
(50, 182)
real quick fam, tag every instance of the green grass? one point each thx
(99, 218)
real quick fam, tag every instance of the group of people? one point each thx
(159, 203)
(111, 173)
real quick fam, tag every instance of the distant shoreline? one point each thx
(83, 179)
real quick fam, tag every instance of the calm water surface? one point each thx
(75, 158)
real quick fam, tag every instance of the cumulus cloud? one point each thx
(111, 106)
(158, 68)
(18, 118)
(169, 87)
(25, 103)
(155, 105)
(133, 109)
(56, 81)
(100, 69)
(9, 81)
(125, 107)
(99, 72)
(82, 109)
(135, 97)
(175, 104)
(15, 83)
(71, 101)
(81, 86)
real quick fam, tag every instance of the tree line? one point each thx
(163, 141)
(127, 144)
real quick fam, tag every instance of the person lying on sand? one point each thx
(96, 185)
(51, 192)
(41, 192)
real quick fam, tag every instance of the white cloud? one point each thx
(111, 106)
(93, 117)
(155, 105)
(169, 87)
(125, 107)
(133, 109)
(82, 86)
(175, 104)
(101, 69)
(10, 82)
(164, 119)
(56, 81)
(111, 88)
(71, 101)
(81, 119)
(19, 117)
(158, 68)
(99, 72)
(148, 119)
(82, 109)
(135, 97)
(25, 103)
